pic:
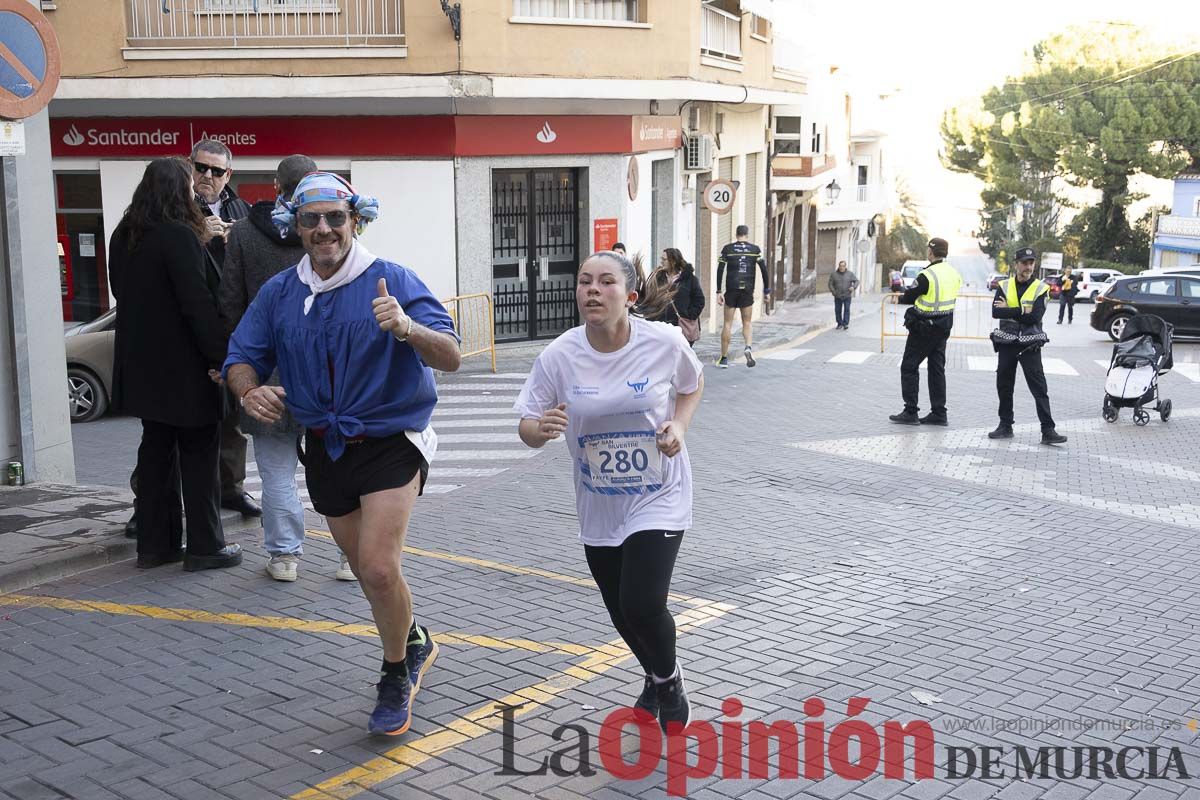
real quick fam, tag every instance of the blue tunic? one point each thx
(341, 372)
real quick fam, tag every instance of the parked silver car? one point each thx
(89, 366)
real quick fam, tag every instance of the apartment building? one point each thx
(506, 139)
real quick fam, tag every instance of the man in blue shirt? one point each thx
(355, 339)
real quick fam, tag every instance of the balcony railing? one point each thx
(720, 33)
(1172, 225)
(795, 166)
(266, 23)
(862, 194)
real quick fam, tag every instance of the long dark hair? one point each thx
(675, 260)
(164, 195)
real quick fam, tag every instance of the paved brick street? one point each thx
(834, 555)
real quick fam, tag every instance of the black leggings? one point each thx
(634, 579)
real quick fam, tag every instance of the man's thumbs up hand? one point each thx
(389, 314)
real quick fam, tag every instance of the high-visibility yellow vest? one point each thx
(1032, 293)
(944, 283)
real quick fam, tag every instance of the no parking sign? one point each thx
(29, 60)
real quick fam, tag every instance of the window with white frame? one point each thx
(589, 10)
(789, 135)
(760, 26)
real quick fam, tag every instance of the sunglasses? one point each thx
(217, 172)
(311, 219)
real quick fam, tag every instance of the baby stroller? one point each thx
(1139, 358)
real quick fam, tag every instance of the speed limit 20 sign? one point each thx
(719, 196)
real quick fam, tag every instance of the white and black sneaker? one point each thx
(648, 699)
(750, 362)
(674, 710)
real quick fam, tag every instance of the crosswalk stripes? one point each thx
(1188, 370)
(1056, 366)
(851, 357)
(784, 355)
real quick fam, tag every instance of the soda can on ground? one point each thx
(15, 474)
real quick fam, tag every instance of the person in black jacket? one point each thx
(688, 302)
(1020, 305)
(212, 167)
(168, 336)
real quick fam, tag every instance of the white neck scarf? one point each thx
(356, 263)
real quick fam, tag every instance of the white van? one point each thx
(1091, 282)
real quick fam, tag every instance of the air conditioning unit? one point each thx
(698, 152)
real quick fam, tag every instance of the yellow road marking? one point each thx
(486, 718)
(282, 623)
(512, 568)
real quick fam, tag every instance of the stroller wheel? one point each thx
(1110, 413)
(1164, 410)
(1141, 416)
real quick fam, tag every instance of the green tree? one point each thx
(904, 235)
(1094, 106)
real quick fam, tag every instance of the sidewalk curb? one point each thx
(71, 561)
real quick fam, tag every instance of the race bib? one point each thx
(626, 460)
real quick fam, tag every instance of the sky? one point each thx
(935, 54)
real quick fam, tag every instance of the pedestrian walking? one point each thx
(168, 336)
(1020, 305)
(254, 254)
(1069, 290)
(929, 321)
(355, 339)
(687, 302)
(623, 391)
(739, 257)
(842, 284)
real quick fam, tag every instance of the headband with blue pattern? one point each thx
(316, 187)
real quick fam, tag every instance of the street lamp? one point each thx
(832, 191)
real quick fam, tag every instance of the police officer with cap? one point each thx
(1020, 305)
(929, 322)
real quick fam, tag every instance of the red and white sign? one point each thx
(604, 234)
(719, 196)
(429, 136)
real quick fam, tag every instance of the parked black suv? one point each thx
(1175, 298)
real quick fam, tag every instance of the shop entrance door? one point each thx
(535, 251)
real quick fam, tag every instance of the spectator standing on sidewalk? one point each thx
(254, 254)
(739, 258)
(1020, 305)
(212, 167)
(623, 391)
(842, 284)
(168, 336)
(356, 339)
(1066, 298)
(929, 322)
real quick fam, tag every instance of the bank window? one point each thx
(789, 133)
(588, 10)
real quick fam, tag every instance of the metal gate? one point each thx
(535, 252)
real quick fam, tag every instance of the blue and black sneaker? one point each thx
(420, 657)
(723, 362)
(393, 712)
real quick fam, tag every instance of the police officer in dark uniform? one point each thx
(1020, 305)
(739, 257)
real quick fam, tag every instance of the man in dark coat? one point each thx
(212, 167)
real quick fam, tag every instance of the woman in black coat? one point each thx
(674, 270)
(168, 336)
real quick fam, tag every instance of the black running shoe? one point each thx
(648, 699)
(934, 419)
(750, 362)
(905, 418)
(674, 710)
(1002, 432)
(393, 712)
(420, 658)
(1051, 436)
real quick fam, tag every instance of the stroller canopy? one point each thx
(1157, 329)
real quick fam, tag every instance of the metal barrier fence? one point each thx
(972, 318)
(475, 322)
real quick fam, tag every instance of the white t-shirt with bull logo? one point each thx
(615, 404)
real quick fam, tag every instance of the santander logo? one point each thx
(546, 135)
(73, 137)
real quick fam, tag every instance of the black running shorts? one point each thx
(739, 298)
(370, 465)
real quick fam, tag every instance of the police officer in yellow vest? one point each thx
(1020, 305)
(929, 322)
